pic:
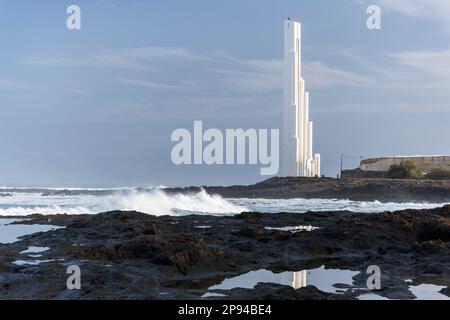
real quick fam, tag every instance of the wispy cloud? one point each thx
(9, 84)
(435, 63)
(153, 53)
(437, 10)
(268, 75)
(249, 80)
(388, 108)
(147, 84)
(217, 74)
(51, 61)
(76, 91)
(118, 61)
(320, 75)
(141, 58)
(408, 71)
(234, 72)
(110, 4)
(216, 106)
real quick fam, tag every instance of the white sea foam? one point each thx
(155, 202)
(50, 210)
(158, 202)
(305, 205)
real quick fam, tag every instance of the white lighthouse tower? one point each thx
(297, 146)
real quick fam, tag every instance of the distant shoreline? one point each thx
(355, 189)
(383, 190)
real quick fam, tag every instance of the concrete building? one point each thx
(426, 163)
(297, 135)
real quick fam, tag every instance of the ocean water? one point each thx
(21, 202)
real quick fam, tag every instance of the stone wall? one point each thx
(360, 174)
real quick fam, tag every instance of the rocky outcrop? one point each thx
(131, 255)
(182, 251)
(384, 190)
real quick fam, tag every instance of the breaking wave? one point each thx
(301, 205)
(51, 210)
(159, 202)
(156, 202)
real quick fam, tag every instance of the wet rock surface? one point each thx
(132, 255)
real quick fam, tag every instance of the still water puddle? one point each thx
(334, 281)
(31, 262)
(293, 229)
(323, 279)
(428, 292)
(371, 296)
(10, 233)
(422, 292)
(32, 250)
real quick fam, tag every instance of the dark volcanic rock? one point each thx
(384, 190)
(251, 232)
(131, 255)
(446, 291)
(182, 251)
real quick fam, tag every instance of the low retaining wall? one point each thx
(426, 163)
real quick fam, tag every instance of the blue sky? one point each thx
(96, 107)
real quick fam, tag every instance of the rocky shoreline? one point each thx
(131, 255)
(383, 190)
(370, 189)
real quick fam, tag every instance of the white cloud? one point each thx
(261, 74)
(250, 80)
(235, 72)
(218, 75)
(140, 58)
(118, 61)
(412, 71)
(152, 53)
(435, 63)
(438, 10)
(412, 81)
(388, 107)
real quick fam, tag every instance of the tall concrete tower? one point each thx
(297, 146)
